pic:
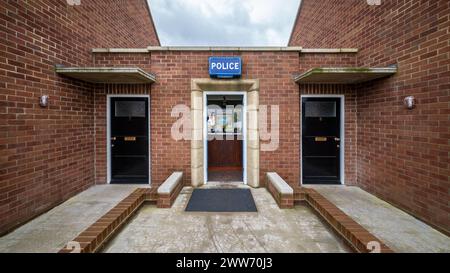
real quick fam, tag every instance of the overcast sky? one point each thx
(224, 22)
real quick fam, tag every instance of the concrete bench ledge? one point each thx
(278, 182)
(170, 184)
(169, 190)
(280, 190)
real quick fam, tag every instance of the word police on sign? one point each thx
(374, 2)
(73, 2)
(225, 67)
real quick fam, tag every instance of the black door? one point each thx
(321, 120)
(129, 140)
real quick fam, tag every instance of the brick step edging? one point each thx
(93, 238)
(357, 237)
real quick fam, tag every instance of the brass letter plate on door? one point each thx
(129, 138)
(321, 139)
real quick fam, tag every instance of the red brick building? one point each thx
(401, 156)
(360, 60)
(47, 154)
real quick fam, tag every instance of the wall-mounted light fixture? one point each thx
(43, 101)
(410, 102)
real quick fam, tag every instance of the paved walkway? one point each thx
(52, 230)
(269, 230)
(397, 229)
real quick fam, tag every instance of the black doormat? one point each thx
(222, 200)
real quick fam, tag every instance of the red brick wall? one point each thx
(174, 72)
(313, 60)
(403, 155)
(47, 154)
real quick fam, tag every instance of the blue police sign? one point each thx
(225, 67)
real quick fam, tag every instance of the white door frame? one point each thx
(108, 133)
(205, 130)
(342, 134)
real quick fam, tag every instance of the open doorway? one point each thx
(225, 137)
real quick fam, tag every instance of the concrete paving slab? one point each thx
(269, 230)
(397, 229)
(52, 230)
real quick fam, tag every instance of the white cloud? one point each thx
(224, 22)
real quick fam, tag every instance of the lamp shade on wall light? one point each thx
(43, 101)
(410, 102)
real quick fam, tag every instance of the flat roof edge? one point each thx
(106, 70)
(330, 50)
(381, 71)
(226, 48)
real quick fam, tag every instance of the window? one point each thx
(320, 109)
(130, 109)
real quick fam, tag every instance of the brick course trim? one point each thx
(353, 233)
(92, 239)
(356, 236)
(225, 49)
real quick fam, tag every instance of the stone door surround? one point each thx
(198, 86)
